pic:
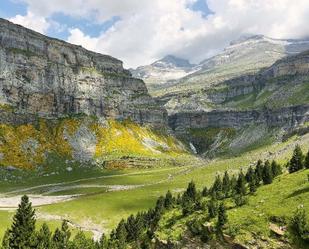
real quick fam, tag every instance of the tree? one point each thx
(259, 171)
(44, 237)
(22, 232)
(275, 168)
(62, 236)
(296, 162)
(121, 235)
(299, 225)
(205, 192)
(222, 217)
(212, 208)
(81, 242)
(134, 228)
(250, 174)
(191, 191)
(241, 184)
(267, 176)
(226, 184)
(306, 164)
(216, 189)
(103, 243)
(168, 201)
(6, 240)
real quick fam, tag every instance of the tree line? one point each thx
(138, 230)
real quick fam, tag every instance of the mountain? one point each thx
(59, 98)
(245, 56)
(247, 111)
(161, 71)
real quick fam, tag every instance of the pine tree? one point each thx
(6, 240)
(191, 191)
(134, 228)
(216, 190)
(168, 201)
(212, 208)
(81, 242)
(267, 176)
(275, 168)
(44, 237)
(121, 235)
(306, 164)
(103, 243)
(226, 184)
(241, 184)
(61, 236)
(222, 217)
(250, 174)
(296, 162)
(205, 192)
(259, 172)
(22, 232)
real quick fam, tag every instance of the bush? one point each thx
(299, 225)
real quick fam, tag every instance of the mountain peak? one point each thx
(172, 61)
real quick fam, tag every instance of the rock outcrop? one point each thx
(51, 78)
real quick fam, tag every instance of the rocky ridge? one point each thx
(52, 78)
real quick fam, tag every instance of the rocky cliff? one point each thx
(51, 78)
(58, 100)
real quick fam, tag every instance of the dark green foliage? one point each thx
(168, 201)
(259, 171)
(226, 184)
(134, 227)
(212, 208)
(275, 168)
(267, 176)
(216, 190)
(6, 240)
(121, 235)
(44, 237)
(299, 226)
(296, 162)
(222, 217)
(81, 242)
(240, 200)
(191, 191)
(241, 184)
(205, 192)
(250, 174)
(22, 232)
(61, 236)
(103, 243)
(306, 163)
(187, 205)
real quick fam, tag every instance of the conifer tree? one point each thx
(168, 201)
(103, 243)
(241, 184)
(306, 163)
(121, 235)
(22, 232)
(205, 192)
(250, 174)
(44, 237)
(61, 236)
(226, 184)
(212, 208)
(253, 184)
(6, 240)
(296, 162)
(191, 191)
(81, 242)
(267, 176)
(259, 171)
(216, 190)
(275, 168)
(222, 217)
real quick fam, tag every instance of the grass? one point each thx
(105, 209)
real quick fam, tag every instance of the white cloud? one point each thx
(148, 30)
(32, 21)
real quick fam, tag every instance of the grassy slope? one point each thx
(105, 209)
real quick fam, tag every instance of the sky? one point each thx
(141, 31)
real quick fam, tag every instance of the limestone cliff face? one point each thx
(51, 78)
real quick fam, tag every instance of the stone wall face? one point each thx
(284, 117)
(51, 78)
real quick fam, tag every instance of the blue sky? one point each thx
(142, 31)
